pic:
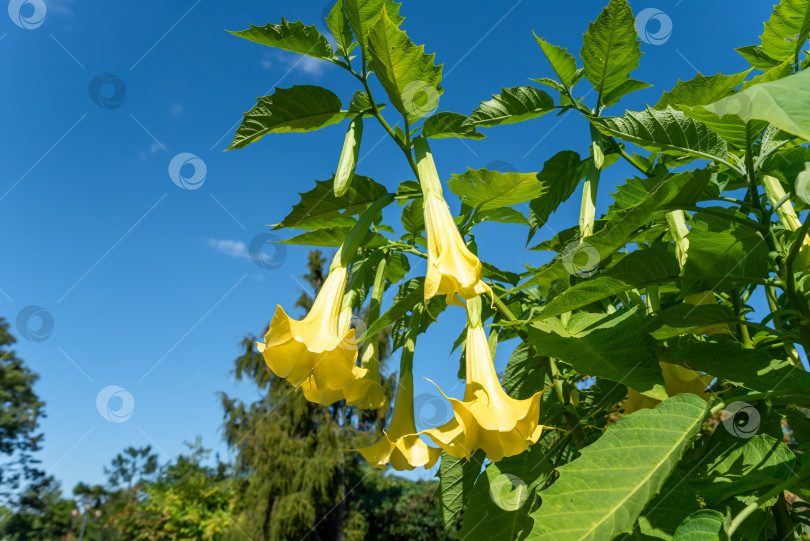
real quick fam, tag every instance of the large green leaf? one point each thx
(486, 190)
(668, 131)
(320, 209)
(623, 224)
(782, 103)
(718, 245)
(363, 13)
(734, 465)
(686, 317)
(561, 173)
(562, 62)
(300, 108)
(290, 36)
(338, 24)
(756, 369)
(613, 346)
(630, 85)
(408, 75)
(664, 513)
(635, 270)
(511, 105)
(456, 479)
(447, 124)
(703, 525)
(610, 47)
(334, 237)
(787, 29)
(700, 90)
(600, 494)
(502, 495)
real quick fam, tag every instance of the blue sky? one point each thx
(149, 285)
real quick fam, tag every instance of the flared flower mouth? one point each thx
(313, 353)
(677, 380)
(487, 418)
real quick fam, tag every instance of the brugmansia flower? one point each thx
(487, 418)
(313, 353)
(401, 446)
(677, 380)
(452, 268)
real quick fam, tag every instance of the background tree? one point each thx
(20, 411)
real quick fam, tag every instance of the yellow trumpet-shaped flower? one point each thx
(487, 418)
(401, 446)
(677, 380)
(452, 268)
(314, 353)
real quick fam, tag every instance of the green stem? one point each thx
(742, 329)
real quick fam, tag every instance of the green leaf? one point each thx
(456, 479)
(703, 525)
(700, 90)
(505, 215)
(408, 75)
(610, 47)
(300, 108)
(754, 55)
(561, 173)
(447, 124)
(486, 190)
(562, 62)
(734, 465)
(502, 495)
(338, 24)
(290, 36)
(635, 270)
(755, 369)
(320, 209)
(777, 72)
(410, 294)
(664, 513)
(334, 237)
(718, 245)
(686, 317)
(413, 218)
(782, 103)
(511, 105)
(787, 29)
(363, 13)
(667, 131)
(630, 85)
(613, 346)
(595, 499)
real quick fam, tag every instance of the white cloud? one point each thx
(177, 109)
(293, 62)
(231, 248)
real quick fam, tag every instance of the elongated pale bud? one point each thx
(677, 228)
(348, 158)
(786, 213)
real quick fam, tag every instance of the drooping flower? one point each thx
(452, 268)
(677, 380)
(314, 353)
(401, 445)
(487, 418)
